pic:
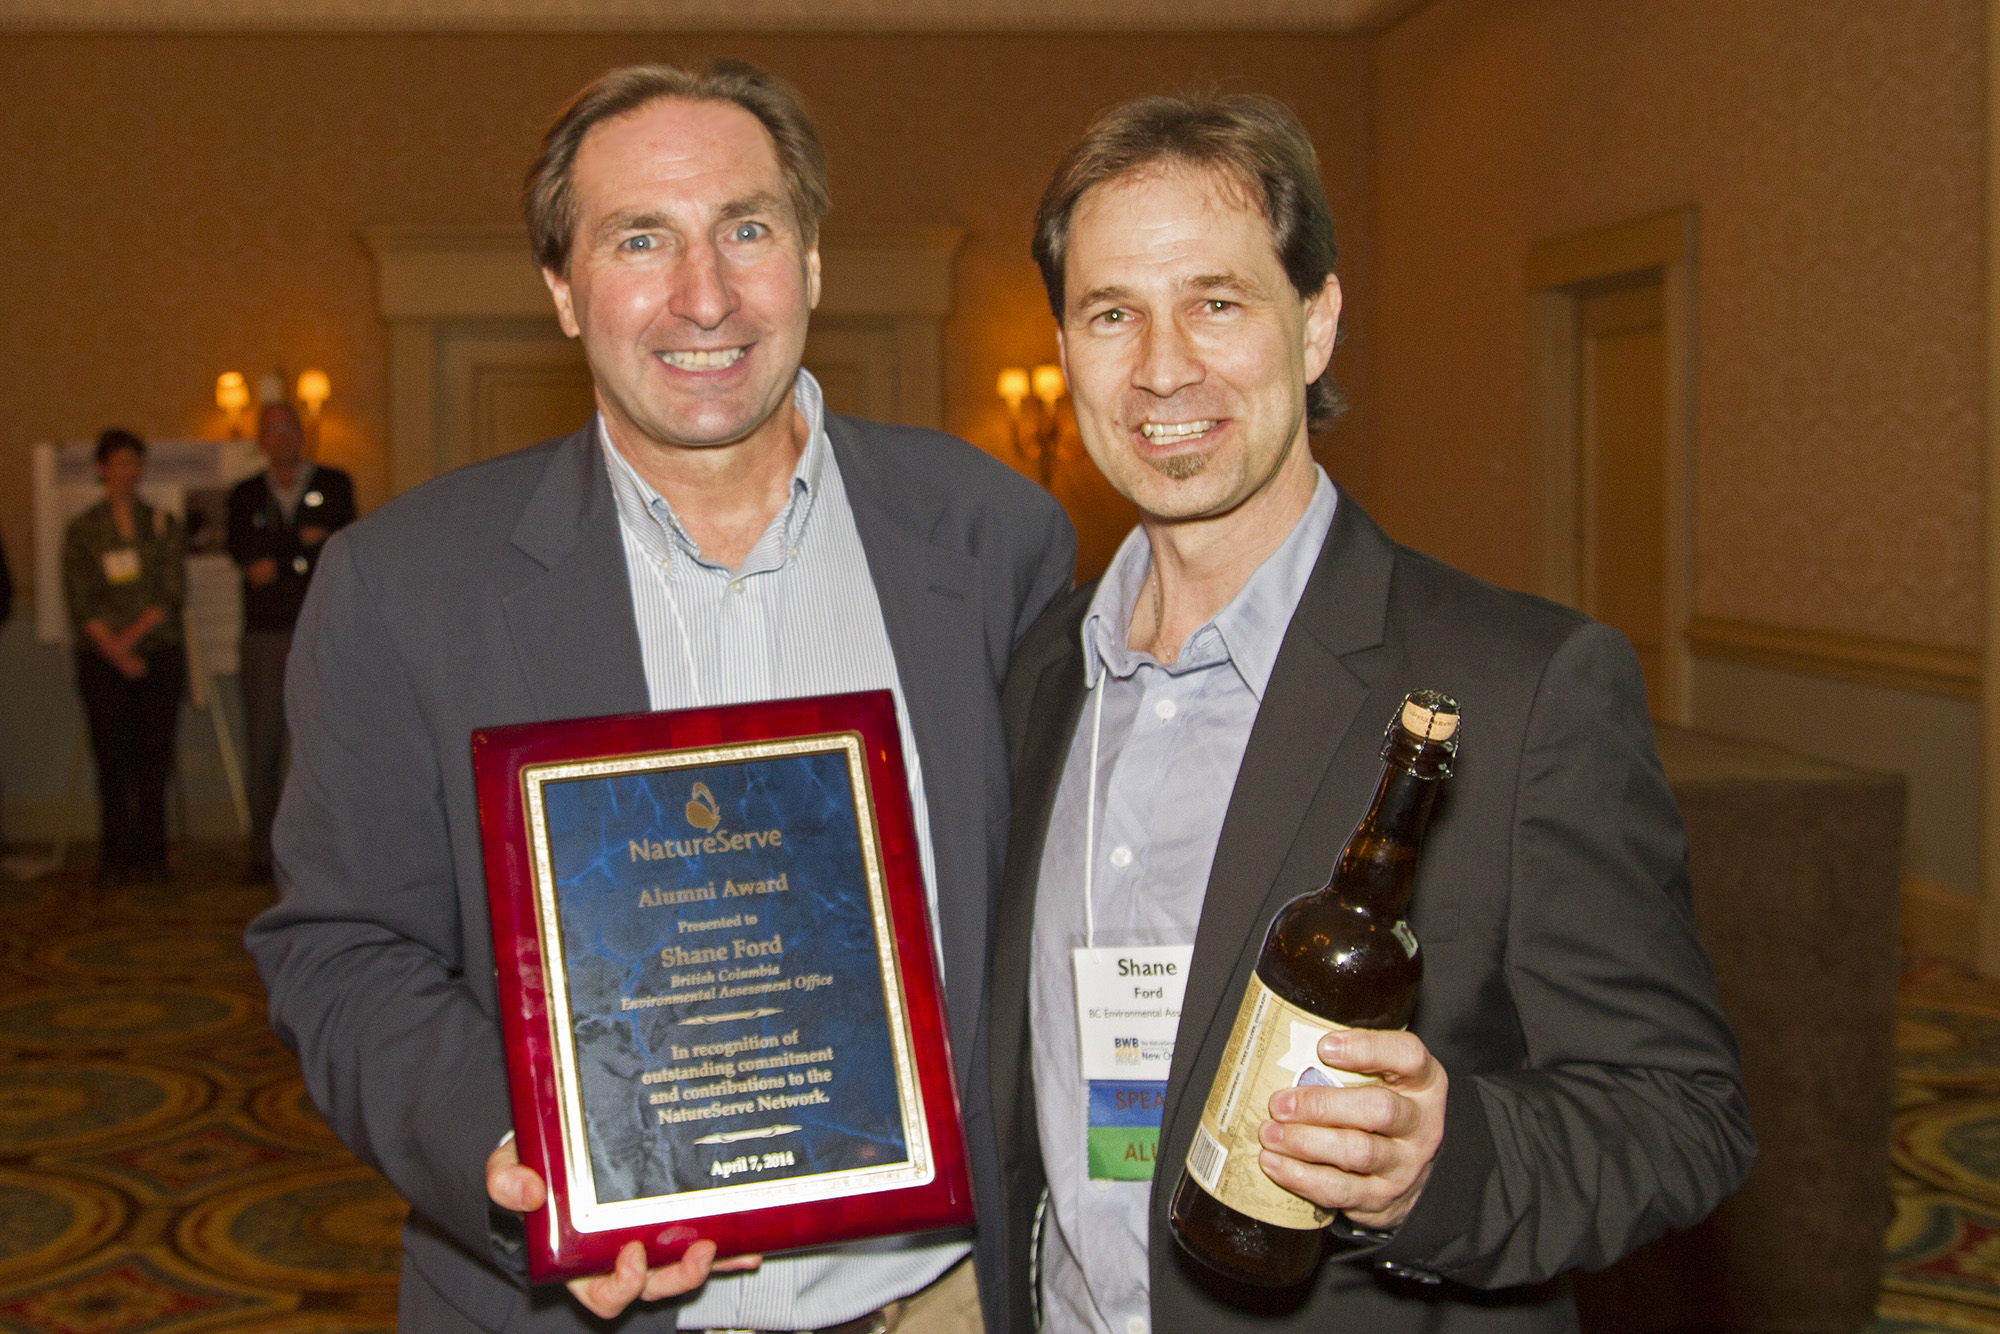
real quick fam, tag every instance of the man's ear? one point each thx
(565, 305)
(1322, 327)
(812, 277)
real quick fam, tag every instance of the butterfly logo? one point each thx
(702, 812)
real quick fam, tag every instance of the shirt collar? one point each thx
(1246, 633)
(645, 511)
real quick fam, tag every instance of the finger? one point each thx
(1376, 1108)
(738, 1262)
(1391, 1053)
(510, 1185)
(608, 1295)
(1353, 1151)
(684, 1275)
(1332, 1188)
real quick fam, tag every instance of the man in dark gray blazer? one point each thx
(1196, 735)
(708, 539)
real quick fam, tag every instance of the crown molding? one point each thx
(367, 16)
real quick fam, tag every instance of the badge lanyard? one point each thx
(1128, 1008)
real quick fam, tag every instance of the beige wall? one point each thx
(179, 206)
(1835, 154)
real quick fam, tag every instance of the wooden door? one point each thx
(1622, 411)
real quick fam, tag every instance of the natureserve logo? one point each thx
(702, 812)
(1125, 1051)
(705, 814)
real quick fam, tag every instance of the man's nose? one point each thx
(701, 293)
(1168, 359)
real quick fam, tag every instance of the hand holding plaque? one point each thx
(721, 1013)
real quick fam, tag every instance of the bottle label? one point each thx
(1274, 1045)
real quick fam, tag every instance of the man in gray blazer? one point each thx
(1194, 738)
(714, 536)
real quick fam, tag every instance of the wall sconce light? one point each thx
(1041, 442)
(232, 395)
(314, 390)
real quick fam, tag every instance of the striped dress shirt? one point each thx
(798, 617)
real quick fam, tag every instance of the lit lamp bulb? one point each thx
(232, 395)
(314, 389)
(1048, 383)
(1013, 388)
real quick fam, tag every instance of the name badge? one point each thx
(1128, 1008)
(121, 566)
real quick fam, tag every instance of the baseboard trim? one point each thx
(1940, 923)
(1896, 664)
(54, 820)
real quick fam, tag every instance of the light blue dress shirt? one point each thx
(1170, 742)
(799, 617)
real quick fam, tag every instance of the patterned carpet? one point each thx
(1942, 1269)
(160, 1165)
(162, 1170)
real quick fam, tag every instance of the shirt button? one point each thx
(1136, 1325)
(736, 585)
(1121, 856)
(1165, 708)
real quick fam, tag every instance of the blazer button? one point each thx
(1394, 1270)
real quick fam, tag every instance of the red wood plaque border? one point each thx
(556, 1248)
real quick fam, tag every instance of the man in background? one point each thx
(1195, 735)
(713, 536)
(278, 522)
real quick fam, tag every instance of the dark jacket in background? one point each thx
(257, 528)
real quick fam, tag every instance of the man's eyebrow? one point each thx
(1098, 296)
(750, 206)
(633, 220)
(1220, 282)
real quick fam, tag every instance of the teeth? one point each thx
(1175, 430)
(703, 361)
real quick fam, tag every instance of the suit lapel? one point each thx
(1310, 717)
(1055, 706)
(931, 610)
(572, 626)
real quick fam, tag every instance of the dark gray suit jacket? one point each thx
(1594, 1095)
(498, 594)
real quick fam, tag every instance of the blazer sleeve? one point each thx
(363, 956)
(1627, 1117)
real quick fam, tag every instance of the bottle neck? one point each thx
(1379, 864)
(1402, 806)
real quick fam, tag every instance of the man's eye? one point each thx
(746, 231)
(639, 243)
(1112, 317)
(1216, 305)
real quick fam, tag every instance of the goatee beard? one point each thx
(1180, 467)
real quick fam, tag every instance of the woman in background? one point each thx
(124, 577)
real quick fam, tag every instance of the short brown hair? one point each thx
(549, 201)
(1257, 140)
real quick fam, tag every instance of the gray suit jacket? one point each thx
(498, 594)
(1594, 1099)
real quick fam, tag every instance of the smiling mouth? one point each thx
(1167, 433)
(703, 360)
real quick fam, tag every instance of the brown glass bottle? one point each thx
(1344, 955)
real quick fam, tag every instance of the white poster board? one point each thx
(66, 485)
